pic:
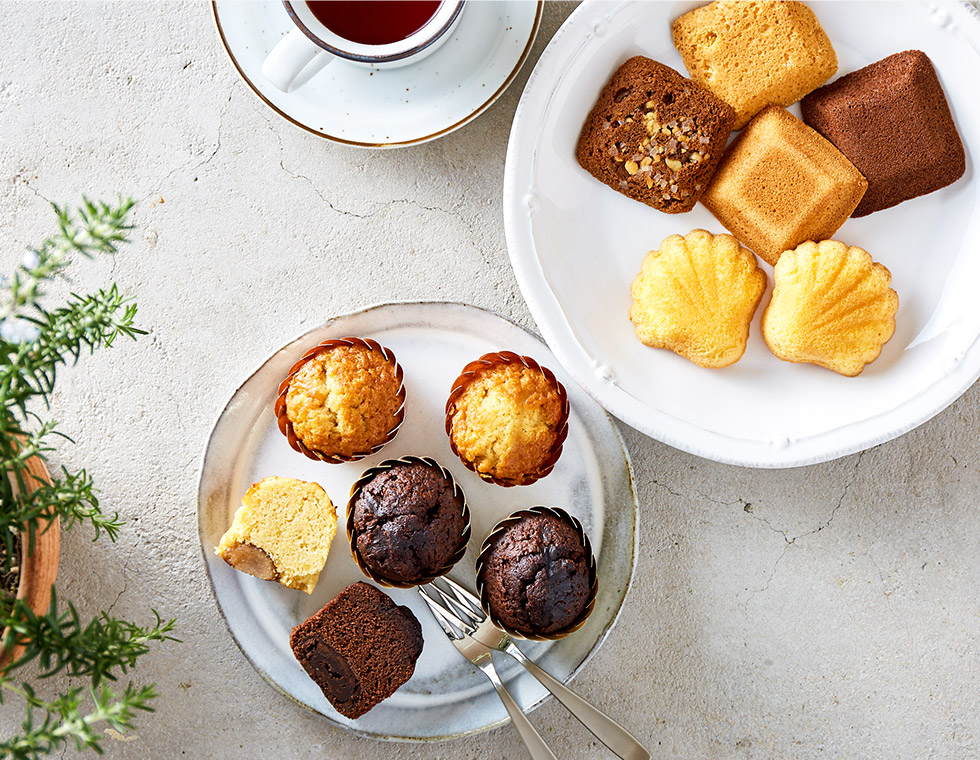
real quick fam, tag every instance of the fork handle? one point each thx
(528, 733)
(606, 730)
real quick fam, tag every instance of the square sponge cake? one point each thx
(780, 184)
(754, 53)
(877, 117)
(654, 136)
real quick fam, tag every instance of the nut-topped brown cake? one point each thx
(359, 648)
(655, 136)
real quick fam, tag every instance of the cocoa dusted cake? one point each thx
(536, 573)
(655, 136)
(410, 520)
(359, 648)
(892, 121)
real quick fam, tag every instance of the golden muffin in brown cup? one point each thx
(507, 418)
(343, 400)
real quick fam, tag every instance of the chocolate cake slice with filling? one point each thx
(359, 648)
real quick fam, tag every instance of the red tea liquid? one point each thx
(374, 22)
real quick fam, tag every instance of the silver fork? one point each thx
(459, 611)
(481, 656)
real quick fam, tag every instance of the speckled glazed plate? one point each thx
(388, 108)
(447, 697)
(576, 246)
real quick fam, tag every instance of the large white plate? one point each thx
(447, 696)
(576, 245)
(387, 108)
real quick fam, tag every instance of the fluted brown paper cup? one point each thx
(487, 550)
(539, 462)
(352, 532)
(341, 451)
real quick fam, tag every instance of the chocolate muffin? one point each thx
(655, 136)
(408, 521)
(359, 648)
(892, 121)
(536, 573)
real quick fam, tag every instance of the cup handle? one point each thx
(289, 57)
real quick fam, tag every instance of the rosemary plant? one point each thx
(34, 343)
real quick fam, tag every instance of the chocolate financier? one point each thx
(892, 121)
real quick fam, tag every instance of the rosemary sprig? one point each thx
(34, 343)
(59, 641)
(49, 724)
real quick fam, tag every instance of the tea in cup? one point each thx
(376, 33)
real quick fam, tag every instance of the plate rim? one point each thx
(547, 308)
(508, 80)
(205, 556)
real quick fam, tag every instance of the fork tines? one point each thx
(467, 599)
(451, 623)
(459, 610)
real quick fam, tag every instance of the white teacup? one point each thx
(311, 40)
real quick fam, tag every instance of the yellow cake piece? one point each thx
(754, 53)
(281, 532)
(780, 184)
(696, 295)
(831, 306)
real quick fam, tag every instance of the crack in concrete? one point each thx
(713, 500)
(768, 524)
(19, 178)
(668, 489)
(125, 587)
(189, 167)
(792, 541)
(881, 576)
(379, 208)
(297, 175)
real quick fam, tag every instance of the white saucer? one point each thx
(373, 108)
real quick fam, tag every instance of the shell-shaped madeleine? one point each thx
(696, 295)
(831, 306)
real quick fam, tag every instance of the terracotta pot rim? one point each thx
(39, 568)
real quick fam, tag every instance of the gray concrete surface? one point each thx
(829, 611)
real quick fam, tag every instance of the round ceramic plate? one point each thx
(576, 245)
(447, 696)
(387, 108)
